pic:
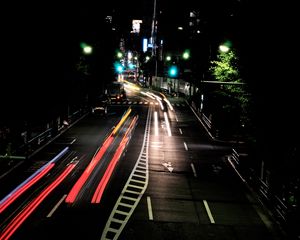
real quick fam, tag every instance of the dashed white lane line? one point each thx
(210, 216)
(194, 170)
(150, 213)
(56, 206)
(185, 146)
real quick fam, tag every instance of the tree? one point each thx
(227, 69)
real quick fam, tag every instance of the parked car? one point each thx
(100, 105)
(116, 91)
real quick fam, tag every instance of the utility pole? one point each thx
(153, 36)
(153, 30)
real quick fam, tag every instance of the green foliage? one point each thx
(226, 69)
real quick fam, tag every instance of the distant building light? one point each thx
(180, 28)
(151, 41)
(145, 44)
(129, 55)
(108, 19)
(136, 26)
(198, 31)
(113, 29)
(192, 14)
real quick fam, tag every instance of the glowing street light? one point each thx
(224, 48)
(186, 54)
(168, 58)
(87, 49)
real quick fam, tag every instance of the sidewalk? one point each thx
(37, 142)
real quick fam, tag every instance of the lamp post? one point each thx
(86, 49)
(224, 48)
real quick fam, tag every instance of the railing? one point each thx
(47, 133)
(277, 207)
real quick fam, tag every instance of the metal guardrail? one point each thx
(206, 120)
(49, 133)
(275, 205)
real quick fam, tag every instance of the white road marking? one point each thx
(208, 212)
(194, 170)
(180, 131)
(150, 213)
(185, 146)
(168, 165)
(56, 206)
(176, 118)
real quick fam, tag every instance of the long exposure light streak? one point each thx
(10, 198)
(24, 214)
(108, 172)
(167, 124)
(96, 159)
(85, 175)
(21, 188)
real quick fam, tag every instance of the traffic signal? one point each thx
(173, 71)
(119, 68)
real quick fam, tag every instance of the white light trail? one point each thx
(167, 124)
(155, 123)
(160, 103)
(169, 104)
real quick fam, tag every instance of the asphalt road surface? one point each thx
(156, 173)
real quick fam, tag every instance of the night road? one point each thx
(149, 119)
(147, 170)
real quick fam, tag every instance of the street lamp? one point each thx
(87, 49)
(168, 58)
(224, 48)
(186, 55)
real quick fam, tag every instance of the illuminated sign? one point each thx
(145, 44)
(136, 26)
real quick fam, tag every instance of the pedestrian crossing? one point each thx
(113, 103)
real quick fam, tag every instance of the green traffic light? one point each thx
(173, 71)
(118, 67)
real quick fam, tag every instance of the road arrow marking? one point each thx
(168, 165)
